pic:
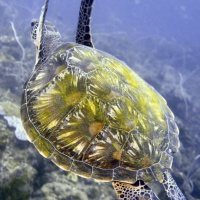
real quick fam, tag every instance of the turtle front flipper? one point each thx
(171, 187)
(83, 34)
(40, 32)
(138, 190)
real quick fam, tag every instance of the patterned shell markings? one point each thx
(91, 114)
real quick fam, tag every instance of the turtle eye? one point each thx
(32, 24)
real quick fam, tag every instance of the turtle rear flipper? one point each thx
(171, 187)
(136, 191)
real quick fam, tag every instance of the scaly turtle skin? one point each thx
(92, 115)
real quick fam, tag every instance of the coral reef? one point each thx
(173, 69)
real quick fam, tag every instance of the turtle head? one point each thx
(45, 39)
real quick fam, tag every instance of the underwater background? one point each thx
(158, 39)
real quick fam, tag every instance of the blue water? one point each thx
(159, 39)
(177, 20)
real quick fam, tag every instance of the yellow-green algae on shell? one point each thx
(91, 114)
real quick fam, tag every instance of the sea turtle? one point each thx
(92, 115)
